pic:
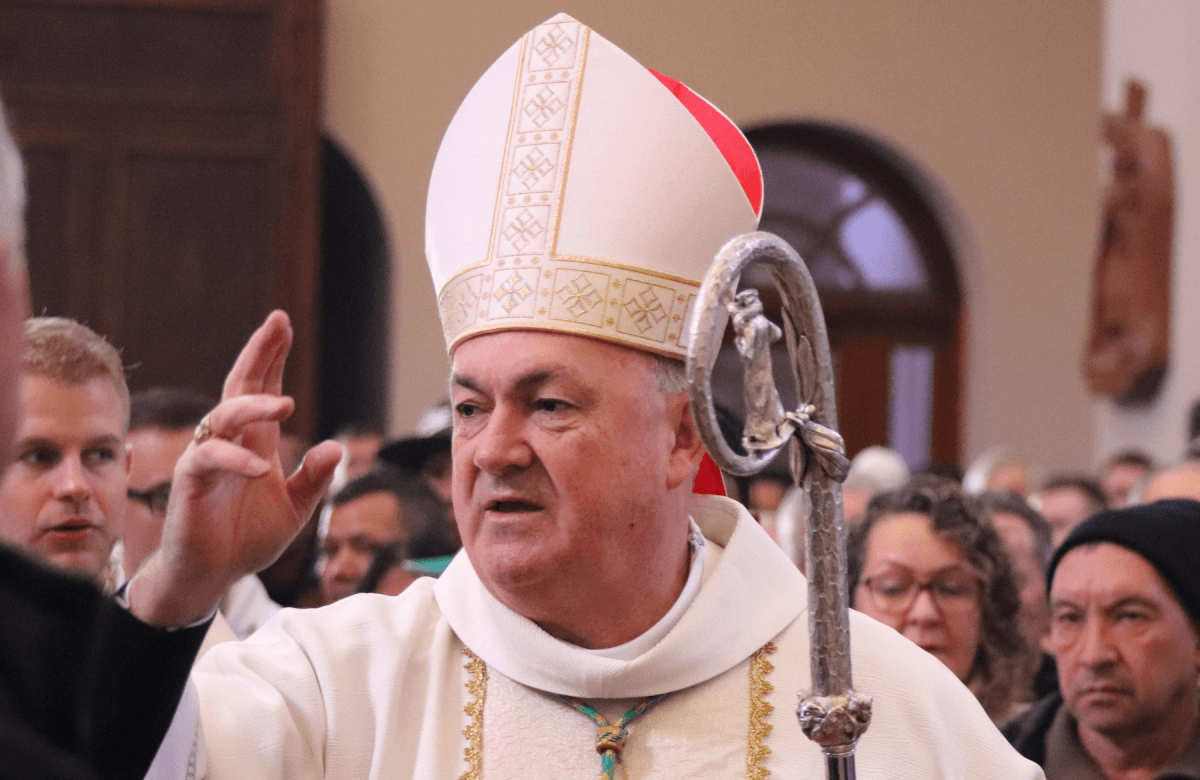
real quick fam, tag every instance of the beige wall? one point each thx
(998, 101)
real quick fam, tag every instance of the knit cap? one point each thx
(1165, 533)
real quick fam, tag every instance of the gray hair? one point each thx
(670, 374)
(12, 193)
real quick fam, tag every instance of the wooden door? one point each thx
(172, 155)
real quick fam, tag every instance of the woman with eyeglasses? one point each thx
(927, 561)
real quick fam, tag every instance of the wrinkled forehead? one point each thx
(517, 354)
(1105, 571)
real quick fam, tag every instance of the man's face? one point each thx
(357, 530)
(1127, 653)
(1120, 479)
(1064, 508)
(1183, 481)
(1022, 550)
(564, 455)
(63, 495)
(154, 452)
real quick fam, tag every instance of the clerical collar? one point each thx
(640, 644)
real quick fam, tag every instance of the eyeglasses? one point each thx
(895, 592)
(155, 499)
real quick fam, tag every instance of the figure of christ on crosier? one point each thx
(832, 714)
(754, 334)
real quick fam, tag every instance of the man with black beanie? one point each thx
(1125, 609)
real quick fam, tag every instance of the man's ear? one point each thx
(688, 448)
(128, 459)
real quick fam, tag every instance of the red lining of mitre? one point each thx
(708, 478)
(725, 134)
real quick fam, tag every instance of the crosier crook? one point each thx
(832, 714)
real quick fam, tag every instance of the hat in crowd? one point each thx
(431, 435)
(577, 191)
(1165, 533)
(877, 469)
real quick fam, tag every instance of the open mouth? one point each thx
(512, 506)
(73, 526)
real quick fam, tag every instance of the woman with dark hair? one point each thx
(927, 561)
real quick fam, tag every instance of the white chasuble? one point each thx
(444, 682)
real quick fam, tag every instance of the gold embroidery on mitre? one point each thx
(760, 709)
(644, 308)
(540, 131)
(477, 687)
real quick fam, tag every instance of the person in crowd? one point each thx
(1027, 539)
(766, 493)
(1179, 481)
(389, 572)
(86, 689)
(161, 425)
(360, 444)
(62, 495)
(383, 506)
(291, 580)
(873, 471)
(1122, 474)
(427, 451)
(999, 470)
(927, 561)
(1066, 500)
(1125, 630)
(621, 616)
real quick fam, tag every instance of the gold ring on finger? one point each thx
(204, 431)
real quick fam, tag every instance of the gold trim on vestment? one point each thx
(477, 687)
(760, 709)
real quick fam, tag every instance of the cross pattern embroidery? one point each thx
(532, 168)
(463, 305)
(554, 45)
(512, 291)
(645, 310)
(542, 107)
(523, 229)
(579, 296)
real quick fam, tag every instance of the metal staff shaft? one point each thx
(832, 714)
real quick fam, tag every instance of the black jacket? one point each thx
(1028, 732)
(86, 689)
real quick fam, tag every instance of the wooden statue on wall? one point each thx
(1128, 347)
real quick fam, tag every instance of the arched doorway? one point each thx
(868, 225)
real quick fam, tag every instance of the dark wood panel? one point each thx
(61, 46)
(861, 380)
(184, 212)
(173, 153)
(52, 246)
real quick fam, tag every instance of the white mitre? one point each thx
(577, 191)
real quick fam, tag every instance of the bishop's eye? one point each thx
(466, 409)
(550, 405)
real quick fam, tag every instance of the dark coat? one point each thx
(86, 689)
(1028, 732)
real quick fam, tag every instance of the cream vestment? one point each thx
(379, 687)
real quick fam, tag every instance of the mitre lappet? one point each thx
(578, 191)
